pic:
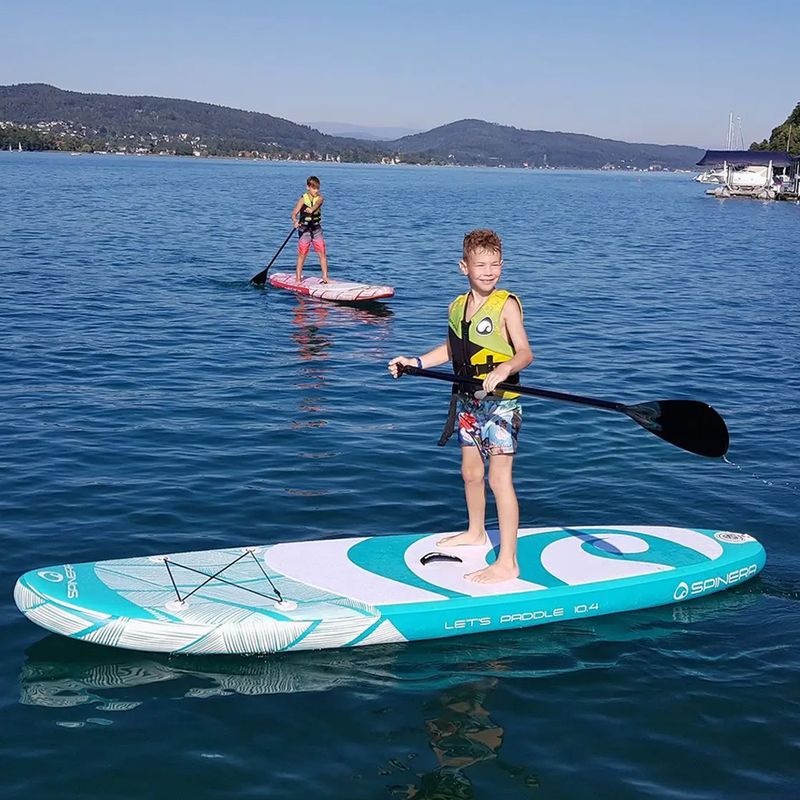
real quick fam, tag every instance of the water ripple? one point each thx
(153, 401)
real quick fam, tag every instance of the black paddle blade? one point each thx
(688, 424)
(260, 279)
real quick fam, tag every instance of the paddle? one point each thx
(261, 278)
(688, 424)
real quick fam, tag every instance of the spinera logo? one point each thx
(485, 327)
(53, 577)
(681, 591)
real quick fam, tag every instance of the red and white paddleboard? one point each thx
(344, 291)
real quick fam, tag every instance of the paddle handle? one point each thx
(548, 394)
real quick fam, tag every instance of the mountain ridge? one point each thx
(466, 137)
(52, 118)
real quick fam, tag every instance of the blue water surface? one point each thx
(152, 401)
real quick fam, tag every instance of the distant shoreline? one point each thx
(321, 162)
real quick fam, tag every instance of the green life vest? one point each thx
(307, 216)
(477, 345)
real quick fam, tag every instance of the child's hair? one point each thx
(482, 239)
(312, 181)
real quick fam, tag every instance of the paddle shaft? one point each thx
(608, 405)
(688, 424)
(261, 278)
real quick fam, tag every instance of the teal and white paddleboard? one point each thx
(350, 592)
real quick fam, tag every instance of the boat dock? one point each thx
(760, 174)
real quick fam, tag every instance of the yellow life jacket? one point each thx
(477, 345)
(307, 216)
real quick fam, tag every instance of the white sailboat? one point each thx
(733, 141)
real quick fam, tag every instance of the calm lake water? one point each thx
(152, 401)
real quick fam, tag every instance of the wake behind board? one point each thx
(341, 291)
(376, 589)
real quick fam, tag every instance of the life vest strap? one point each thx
(450, 424)
(310, 218)
(474, 370)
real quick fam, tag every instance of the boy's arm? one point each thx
(296, 210)
(433, 358)
(512, 320)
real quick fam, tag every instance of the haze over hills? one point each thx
(368, 132)
(39, 116)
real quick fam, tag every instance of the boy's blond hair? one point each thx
(312, 181)
(482, 239)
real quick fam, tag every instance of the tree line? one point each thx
(786, 137)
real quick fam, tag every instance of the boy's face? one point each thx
(482, 268)
(313, 190)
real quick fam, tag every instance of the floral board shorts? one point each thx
(491, 424)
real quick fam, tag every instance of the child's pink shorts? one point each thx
(310, 237)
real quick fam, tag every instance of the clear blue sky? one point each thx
(664, 71)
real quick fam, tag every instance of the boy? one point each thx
(307, 219)
(486, 339)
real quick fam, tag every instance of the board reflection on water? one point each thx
(461, 734)
(63, 673)
(315, 323)
(316, 326)
(449, 729)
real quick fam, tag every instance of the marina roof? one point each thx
(740, 158)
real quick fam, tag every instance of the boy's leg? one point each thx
(301, 259)
(505, 568)
(472, 471)
(303, 246)
(319, 248)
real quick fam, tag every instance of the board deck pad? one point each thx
(341, 291)
(347, 592)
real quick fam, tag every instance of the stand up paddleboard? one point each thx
(368, 590)
(341, 291)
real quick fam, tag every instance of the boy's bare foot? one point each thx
(460, 539)
(494, 573)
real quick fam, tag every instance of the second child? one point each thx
(307, 219)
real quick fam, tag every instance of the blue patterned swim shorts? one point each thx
(491, 424)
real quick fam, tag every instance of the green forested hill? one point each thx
(40, 117)
(780, 135)
(473, 141)
(114, 117)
